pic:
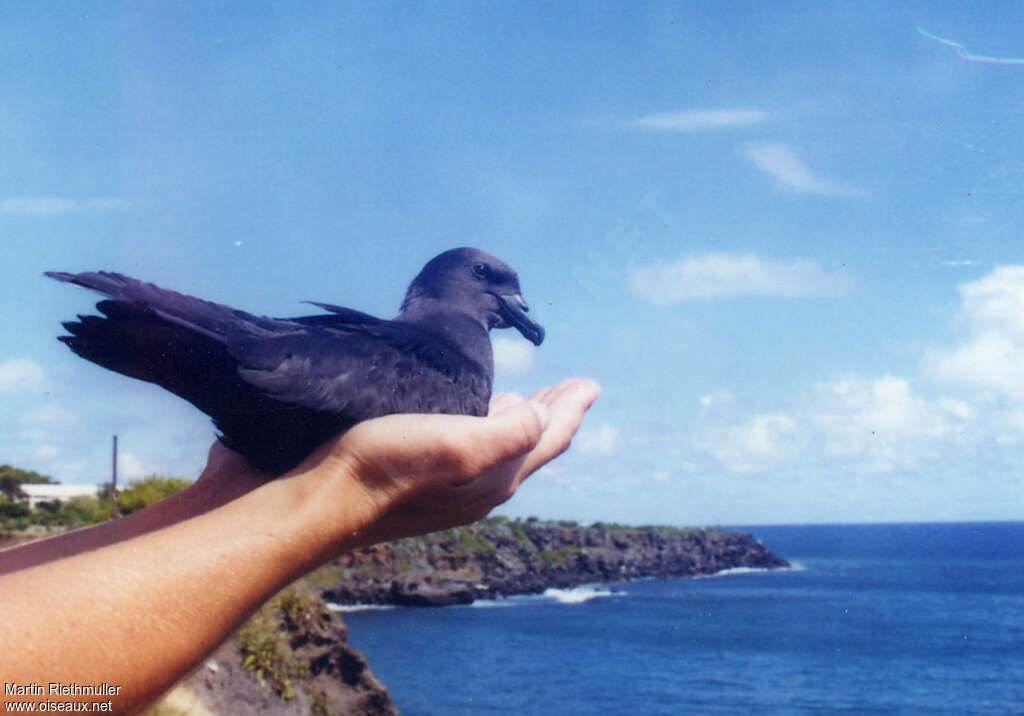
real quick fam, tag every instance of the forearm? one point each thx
(226, 477)
(200, 578)
(193, 501)
(146, 600)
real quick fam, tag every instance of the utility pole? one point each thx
(113, 482)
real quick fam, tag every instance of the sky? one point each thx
(785, 238)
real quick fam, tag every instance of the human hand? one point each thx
(413, 474)
(208, 556)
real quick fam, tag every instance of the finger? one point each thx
(453, 448)
(568, 402)
(503, 400)
(569, 386)
(543, 395)
(552, 392)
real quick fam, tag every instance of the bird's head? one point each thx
(477, 283)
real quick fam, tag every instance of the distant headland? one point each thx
(498, 557)
(291, 657)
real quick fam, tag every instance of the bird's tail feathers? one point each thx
(213, 320)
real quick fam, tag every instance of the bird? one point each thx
(277, 388)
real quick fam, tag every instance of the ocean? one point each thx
(873, 619)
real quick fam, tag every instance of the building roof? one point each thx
(59, 492)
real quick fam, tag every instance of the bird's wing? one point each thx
(339, 318)
(363, 370)
(214, 320)
(347, 314)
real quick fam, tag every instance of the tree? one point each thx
(82, 511)
(11, 488)
(12, 478)
(145, 492)
(12, 510)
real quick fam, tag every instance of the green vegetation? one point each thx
(143, 493)
(15, 514)
(69, 514)
(12, 510)
(318, 704)
(78, 511)
(502, 526)
(12, 478)
(611, 526)
(263, 643)
(326, 577)
(482, 536)
(555, 559)
(466, 539)
(473, 542)
(519, 532)
(659, 529)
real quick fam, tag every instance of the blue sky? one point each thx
(786, 239)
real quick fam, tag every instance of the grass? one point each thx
(475, 543)
(263, 640)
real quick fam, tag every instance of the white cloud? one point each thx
(992, 310)
(39, 437)
(854, 424)
(21, 375)
(879, 425)
(602, 440)
(695, 120)
(132, 468)
(959, 409)
(957, 263)
(740, 442)
(944, 442)
(754, 445)
(722, 401)
(990, 359)
(996, 300)
(512, 355)
(48, 206)
(782, 162)
(720, 274)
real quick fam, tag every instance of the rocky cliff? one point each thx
(499, 557)
(290, 658)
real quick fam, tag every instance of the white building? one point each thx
(48, 493)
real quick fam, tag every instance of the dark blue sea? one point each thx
(877, 619)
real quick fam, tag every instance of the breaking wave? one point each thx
(358, 607)
(793, 567)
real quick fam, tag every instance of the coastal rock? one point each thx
(290, 658)
(499, 557)
(414, 591)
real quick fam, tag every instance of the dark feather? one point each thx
(278, 387)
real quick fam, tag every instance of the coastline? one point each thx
(498, 557)
(292, 656)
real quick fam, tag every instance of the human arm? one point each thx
(226, 477)
(140, 612)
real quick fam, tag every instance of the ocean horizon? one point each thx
(872, 618)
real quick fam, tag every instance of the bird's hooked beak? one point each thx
(513, 309)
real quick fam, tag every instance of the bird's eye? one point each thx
(481, 270)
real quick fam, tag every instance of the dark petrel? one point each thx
(277, 388)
